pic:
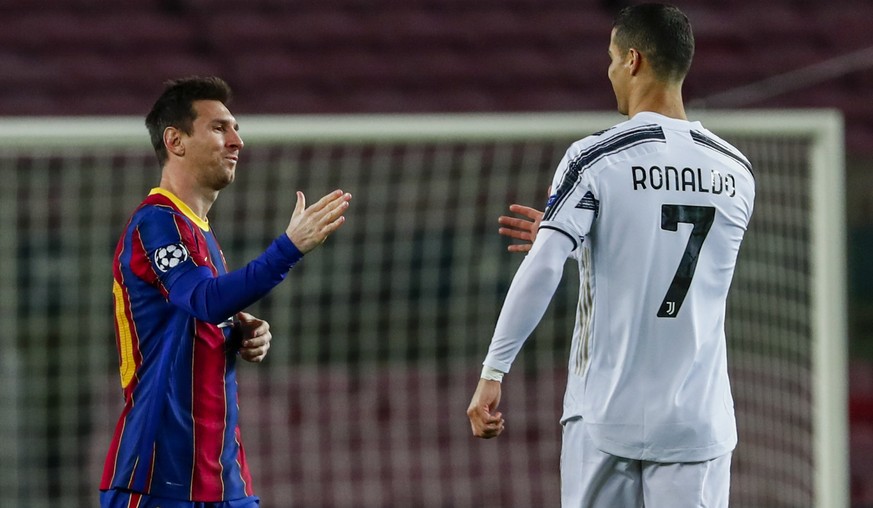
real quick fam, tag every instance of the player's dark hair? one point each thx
(661, 33)
(175, 107)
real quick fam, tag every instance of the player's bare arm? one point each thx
(485, 420)
(310, 227)
(524, 229)
(256, 337)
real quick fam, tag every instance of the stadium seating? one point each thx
(87, 57)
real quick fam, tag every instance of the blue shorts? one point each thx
(116, 498)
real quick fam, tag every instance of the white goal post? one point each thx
(422, 272)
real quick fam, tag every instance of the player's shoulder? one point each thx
(150, 210)
(615, 139)
(707, 139)
(157, 216)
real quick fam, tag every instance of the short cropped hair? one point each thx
(175, 107)
(661, 33)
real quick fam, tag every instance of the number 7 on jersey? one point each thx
(701, 218)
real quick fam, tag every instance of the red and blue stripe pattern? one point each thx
(178, 435)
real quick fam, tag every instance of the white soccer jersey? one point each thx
(656, 209)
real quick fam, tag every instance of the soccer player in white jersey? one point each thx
(654, 211)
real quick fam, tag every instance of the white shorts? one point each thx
(591, 478)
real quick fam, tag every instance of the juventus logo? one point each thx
(669, 308)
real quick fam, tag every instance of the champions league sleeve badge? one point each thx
(170, 256)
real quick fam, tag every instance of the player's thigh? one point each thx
(687, 484)
(591, 478)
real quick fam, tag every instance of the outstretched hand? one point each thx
(310, 227)
(521, 229)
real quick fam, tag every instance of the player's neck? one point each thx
(198, 199)
(657, 98)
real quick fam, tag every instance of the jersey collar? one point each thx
(657, 118)
(185, 209)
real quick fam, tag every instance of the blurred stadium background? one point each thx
(76, 58)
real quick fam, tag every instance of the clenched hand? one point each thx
(255, 337)
(485, 420)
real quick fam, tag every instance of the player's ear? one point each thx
(173, 141)
(633, 60)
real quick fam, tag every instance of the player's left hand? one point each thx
(256, 337)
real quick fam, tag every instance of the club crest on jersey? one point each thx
(170, 256)
(551, 201)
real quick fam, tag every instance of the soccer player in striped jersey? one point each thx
(654, 211)
(179, 317)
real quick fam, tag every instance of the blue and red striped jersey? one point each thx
(178, 435)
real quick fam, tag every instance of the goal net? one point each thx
(379, 335)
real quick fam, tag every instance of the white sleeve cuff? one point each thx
(492, 374)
